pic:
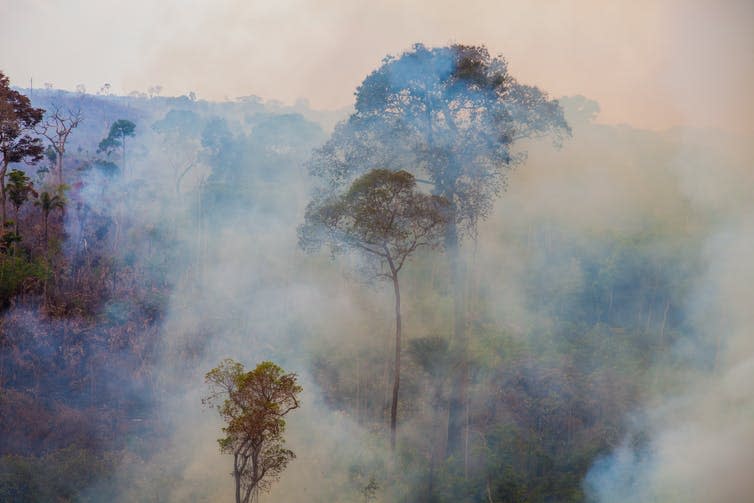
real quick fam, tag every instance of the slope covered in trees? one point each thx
(580, 301)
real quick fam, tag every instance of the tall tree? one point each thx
(450, 115)
(57, 128)
(17, 121)
(19, 188)
(47, 203)
(253, 405)
(385, 217)
(181, 131)
(116, 139)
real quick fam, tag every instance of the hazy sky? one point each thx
(649, 63)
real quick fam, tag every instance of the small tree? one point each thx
(57, 128)
(119, 131)
(19, 189)
(17, 121)
(47, 203)
(253, 405)
(385, 217)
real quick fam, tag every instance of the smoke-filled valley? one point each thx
(586, 337)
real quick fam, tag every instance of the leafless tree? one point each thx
(57, 128)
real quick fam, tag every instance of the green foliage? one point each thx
(431, 354)
(116, 139)
(16, 273)
(553, 373)
(19, 187)
(48, 202)
(179, 123)
(449, 115)
(18, 119)
(252, 169)
(253, 405)
(119, 131)
(381, 214)
(9, 238)
(51, 155)
(107, 168)
(59, 476)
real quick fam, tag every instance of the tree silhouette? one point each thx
(450, 115)
(385, 217)
(17, 121)
(119, 131)
(47, 203)
(19, 188)
(57, 128)
(181, 132)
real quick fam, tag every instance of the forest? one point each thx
(486, 294)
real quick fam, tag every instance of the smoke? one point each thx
(256, 302)
(700, 434)
(242, 289)
(222, 244)
(692, 440)
(678, 62)
(610, 286)
(250, 294)
(682, 198)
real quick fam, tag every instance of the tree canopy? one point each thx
(119, 130)
(116, 139)
(253, 405)
(17, 121)
(382, 214)
(450, 115)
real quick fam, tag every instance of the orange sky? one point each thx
(651, 64)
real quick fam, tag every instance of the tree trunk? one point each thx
(397, 366)
(664, 321)
(358, 390)
(15, 242)
(459, 385)
(385, 385)
(2, 195)
(2, 360)
(180, 178)
(251, 489)
(237, 477)
(46, 218)
(435, 448)
(60, 168)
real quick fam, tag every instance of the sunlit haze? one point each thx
(651, 64)
(475, 279)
